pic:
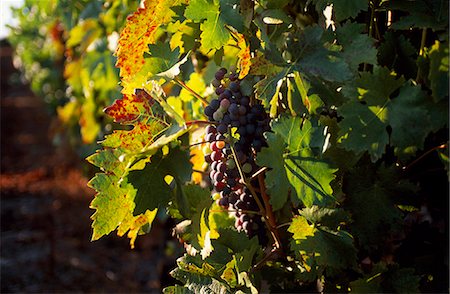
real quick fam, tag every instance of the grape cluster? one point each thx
(232, 114)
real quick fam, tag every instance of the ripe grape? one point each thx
(232, 109)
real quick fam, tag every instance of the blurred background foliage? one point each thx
(64, 50)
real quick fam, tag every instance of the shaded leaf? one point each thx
(295, 168)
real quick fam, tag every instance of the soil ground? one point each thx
(45, 214)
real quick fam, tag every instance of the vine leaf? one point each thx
(244, 58)
(295, 168)
(140, 30)
(152, 189)
(374, 106)
(421, 14)
(343, 9)
(357, 47)
(113, 203)
(438, 74)
(368, 200)
(214, 34)
(330, 249)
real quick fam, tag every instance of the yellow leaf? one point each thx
(197, 159)
(67, 112)
(140, 31)
(244, 61)
(133, 224)
(88, 123)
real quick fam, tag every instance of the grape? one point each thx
(234, 86)
(219, 75)
(225, 103)
(234, 116)
(219, 186)
(233, 77)
(242, 120)
(219, 90)
(242, 110)
(250, 129)
(232, 109)
(218, 115)
(210, 137)
(223, 202)
(231, 164)
(245, 101)
(222, 128)
(216, 155)
(214, 104)
(210, 129)
(218, 176)
(247, 168)
(209, 111)
(222, 167)
(237, 95)
(257, 144)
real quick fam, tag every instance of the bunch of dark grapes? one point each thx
(233, 112)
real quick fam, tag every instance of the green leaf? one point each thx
(112, 203)
(328, 217)
(438, 73)
(295, 168)
(311, 57)
(108, 160)
(229, 12)
(408, 117)
(152, 189)
(366, 115)
(368, 199)
(421, 14)
(358, 47)
(397, 53)
(298, 98)
(328, 248)
(363, 129)
(198, 276)
(373, 88)
(343, 9)
(364, 125)
(214, 34)
(162, 62)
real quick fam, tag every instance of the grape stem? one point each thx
(235, 210)
(196, 95)
(200, 122)
(265, 259)
(200, 172)
(442, 146)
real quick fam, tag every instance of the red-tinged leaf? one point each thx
(140, 31)
(135, 140)
(131, 108)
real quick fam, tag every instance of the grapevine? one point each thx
(300, 146)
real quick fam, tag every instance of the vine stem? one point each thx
(269, 211)
(196, 95)
(371, 25)
(442, 146)
(422, 49)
